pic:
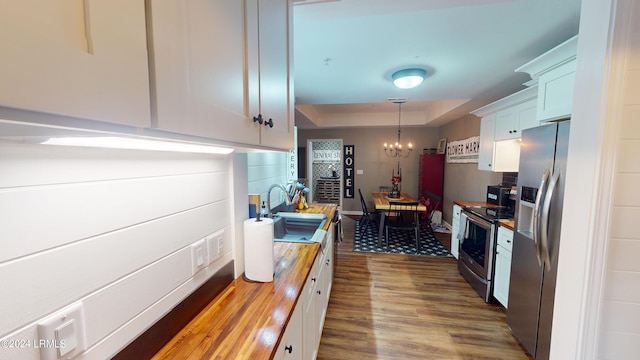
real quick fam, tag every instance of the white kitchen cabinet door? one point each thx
(487, 130)
(506, 125)
(502, 269)
(511, 121)
(310, 303)
(269, 56)
(84, 59)
(555, 92)
(455, 230)
(290, 347)
(526, 113)
(198, 69)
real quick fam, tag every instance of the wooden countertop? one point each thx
(509, 224)
(473, 203)
(247, 319)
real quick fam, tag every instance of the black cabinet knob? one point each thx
(269, 123)
(289, 348)
(258, 119)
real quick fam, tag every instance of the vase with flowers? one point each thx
(395, 190)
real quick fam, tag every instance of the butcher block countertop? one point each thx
(247, 319)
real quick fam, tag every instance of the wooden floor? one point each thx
(409, 307)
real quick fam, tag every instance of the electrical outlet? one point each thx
(214, 242)
(199, 256)
(221, 246)
(62, 334)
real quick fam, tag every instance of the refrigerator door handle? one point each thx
(544, 226)
(540, 196)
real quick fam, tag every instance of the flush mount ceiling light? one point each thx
(408, 78)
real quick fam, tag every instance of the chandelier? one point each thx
(396, 150)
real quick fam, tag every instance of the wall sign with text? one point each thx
(464, 151)
(349, 183)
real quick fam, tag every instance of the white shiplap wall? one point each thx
(266, 169)
(620, 316)
(109, 228)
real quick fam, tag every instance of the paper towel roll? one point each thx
(258, 250)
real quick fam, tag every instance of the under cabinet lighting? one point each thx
(114, 142)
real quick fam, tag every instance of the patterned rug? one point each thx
(399, 242)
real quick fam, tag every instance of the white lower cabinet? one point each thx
(316, 298)
(309, 291)
(291, 343)
(502, 272)
(455, 230)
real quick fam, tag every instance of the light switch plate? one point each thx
(62, 335)
(199, 256)
(359, 172)
(215, 243)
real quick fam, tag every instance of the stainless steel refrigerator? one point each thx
(538, 217)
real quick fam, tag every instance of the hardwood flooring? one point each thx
(409, 307)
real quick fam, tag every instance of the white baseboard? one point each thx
(446, 224)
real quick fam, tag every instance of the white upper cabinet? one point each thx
(487, 137)
(217, 65)
(198, 67)
(76, 58)
(270, 82)
(510, 122)
(500, 128)
(554, 72)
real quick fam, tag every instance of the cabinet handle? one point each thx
(269, 123)
(313, 279)
(258, 119)
(489, 164)
(319, 292)
(508, 241)
(289, 348)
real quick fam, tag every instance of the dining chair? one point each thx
(368, 217)
(431, 202)
(405, 221)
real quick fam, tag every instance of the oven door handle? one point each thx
(540, 196)
(544, 226)
(478, 220)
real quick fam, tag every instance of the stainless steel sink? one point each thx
(296, 227)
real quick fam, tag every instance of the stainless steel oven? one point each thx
(476, 258)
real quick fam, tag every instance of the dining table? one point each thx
(382, 204)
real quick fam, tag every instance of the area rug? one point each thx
(399, 242)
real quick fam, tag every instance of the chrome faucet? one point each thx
(288, 200)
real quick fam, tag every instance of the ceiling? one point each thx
(346, 50)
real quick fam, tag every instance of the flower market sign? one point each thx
(464, 151)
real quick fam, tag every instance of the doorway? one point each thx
(324, 169)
